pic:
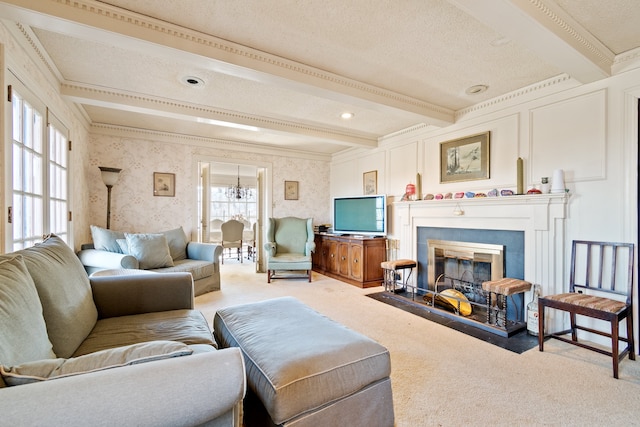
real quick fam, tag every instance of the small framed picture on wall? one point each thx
(370, 182)
(291, 190)
(164, 184)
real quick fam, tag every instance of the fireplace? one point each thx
(531, 224)
(455, 271)
(463, 266)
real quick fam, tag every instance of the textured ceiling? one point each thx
(279, 73)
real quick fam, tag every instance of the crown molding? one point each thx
(571, 31)
(626, 61)
(525, 94)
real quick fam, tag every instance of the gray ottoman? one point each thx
(306, 369)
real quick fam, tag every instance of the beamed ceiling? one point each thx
(279, 73)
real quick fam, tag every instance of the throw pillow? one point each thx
(124, 247)
(177, 241)
(42, 370)
(65, 293)
(105, 239)
(151, 250)
(24, 332)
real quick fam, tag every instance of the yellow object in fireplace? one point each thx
(450, 298)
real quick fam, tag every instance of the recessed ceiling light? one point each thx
(347, 115)
(192, 81)
(475, 90)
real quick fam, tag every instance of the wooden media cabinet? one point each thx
(351, 259)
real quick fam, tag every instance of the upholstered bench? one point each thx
(497, 292)
(306, 369)
(394, 281)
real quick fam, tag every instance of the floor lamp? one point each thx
(109, 177)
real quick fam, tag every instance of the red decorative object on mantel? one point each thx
(410, 190)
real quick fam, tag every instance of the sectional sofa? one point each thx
(112, 350)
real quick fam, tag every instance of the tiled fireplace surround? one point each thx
(540, 217)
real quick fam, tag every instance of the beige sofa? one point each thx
(119, 250)
(116, 350)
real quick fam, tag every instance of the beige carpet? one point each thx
(441, 377)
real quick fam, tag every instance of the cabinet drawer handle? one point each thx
(355, 260)
(343, 258)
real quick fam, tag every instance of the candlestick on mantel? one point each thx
(520, 186)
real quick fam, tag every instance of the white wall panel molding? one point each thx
(403, 166)
(571, 135)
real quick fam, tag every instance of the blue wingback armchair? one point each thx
(290, 242)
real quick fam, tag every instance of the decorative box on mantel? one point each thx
(540, 216)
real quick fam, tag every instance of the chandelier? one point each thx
(237, 191)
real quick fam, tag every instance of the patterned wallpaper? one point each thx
(134, 208)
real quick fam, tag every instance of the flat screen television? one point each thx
(360, 215)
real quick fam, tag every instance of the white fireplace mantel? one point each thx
(540, 216)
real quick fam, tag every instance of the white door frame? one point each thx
(265, 198)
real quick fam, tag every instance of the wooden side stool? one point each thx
(395, 276)
(498, 291)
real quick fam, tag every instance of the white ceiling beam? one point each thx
(135, 103)
(545, 29)
(93, 20)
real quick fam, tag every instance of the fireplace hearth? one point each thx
(518, 343)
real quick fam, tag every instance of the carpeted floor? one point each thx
(442, 377)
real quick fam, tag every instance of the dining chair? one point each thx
(600, 287)
(232, 238)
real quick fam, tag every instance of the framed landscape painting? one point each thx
(465, 159)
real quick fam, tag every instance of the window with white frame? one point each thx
(225, 208)
(39, 171)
